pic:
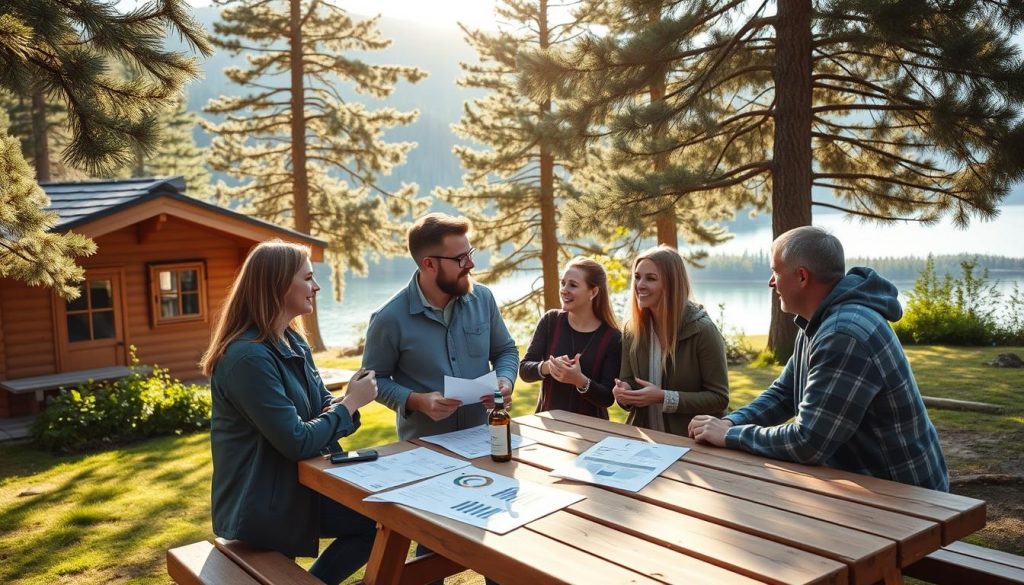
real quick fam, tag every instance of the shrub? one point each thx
(737, 351)
(98, 414)
(959, 311)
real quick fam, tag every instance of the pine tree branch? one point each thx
(883, 179)
(865, 213)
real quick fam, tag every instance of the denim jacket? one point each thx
(267, 403)
(411, 349)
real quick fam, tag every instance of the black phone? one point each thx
(353, 456)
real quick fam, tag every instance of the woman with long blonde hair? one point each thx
(270, 410)
(673, 356)
(576, 350)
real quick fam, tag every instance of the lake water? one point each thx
(747, 303)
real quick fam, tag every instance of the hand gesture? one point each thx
(505, 387)
(433, 404)
(361, 390)
(645, 394)
(566, 370)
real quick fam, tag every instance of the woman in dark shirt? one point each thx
(576, 350)
(270, 410)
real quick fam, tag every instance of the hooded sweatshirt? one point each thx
(852, 393)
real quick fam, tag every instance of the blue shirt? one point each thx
(411, 349)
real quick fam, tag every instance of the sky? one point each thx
(438, 13)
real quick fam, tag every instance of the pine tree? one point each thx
(28, 250)
(24, 127)
(306, 154)
(177, 153)
(900, 110)
(66, 50)
(514, 185)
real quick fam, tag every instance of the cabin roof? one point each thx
(83, 202)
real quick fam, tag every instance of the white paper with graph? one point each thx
(621, 463)
(481, 498)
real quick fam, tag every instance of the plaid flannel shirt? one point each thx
(852, 393)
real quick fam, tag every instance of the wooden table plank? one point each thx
(735, 550)
(914, 536)
(959, 515)
(519, 556)
(866, 555)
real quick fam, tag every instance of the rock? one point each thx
(1007, 360)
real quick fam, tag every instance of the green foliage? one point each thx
(960, 311)
(68, 49)
(29, 251)
(100, 414)
(766, 359)
(737, 350)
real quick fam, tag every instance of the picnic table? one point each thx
(715, 516)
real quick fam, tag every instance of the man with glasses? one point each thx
(440, 324)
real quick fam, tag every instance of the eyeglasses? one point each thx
(462, 259)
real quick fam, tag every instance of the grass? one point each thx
(108, 517)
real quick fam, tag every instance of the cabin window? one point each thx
(178, 292)
(91, 315)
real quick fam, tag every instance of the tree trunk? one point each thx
(300, 177)
(548, 223)
(41, 154)
(791, 157)
(665, 221)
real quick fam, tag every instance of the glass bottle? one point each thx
(500, 424)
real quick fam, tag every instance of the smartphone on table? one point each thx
(353, 456)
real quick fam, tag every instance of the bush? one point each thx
(737, 351)
(99, 414)
(960, 311)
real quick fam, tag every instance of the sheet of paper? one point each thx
(397, 469)
(472, 442)
(481, 498)
(470, 391)
(621, 463)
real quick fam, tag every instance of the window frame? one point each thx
(154, 269)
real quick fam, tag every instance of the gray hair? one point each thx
(815, 249)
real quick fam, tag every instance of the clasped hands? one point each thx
(565, 369)
(645, 394)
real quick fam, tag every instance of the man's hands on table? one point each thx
(709, 429)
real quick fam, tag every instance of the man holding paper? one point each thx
(441, 324)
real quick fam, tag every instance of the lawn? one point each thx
(108, 517)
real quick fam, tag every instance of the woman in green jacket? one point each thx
(271, 410)
(673, 356)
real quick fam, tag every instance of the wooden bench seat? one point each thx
(961, 562)
(233, 563)
(39, 384)
(200, 563)
(268, 567)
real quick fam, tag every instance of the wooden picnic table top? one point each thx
(714, 516)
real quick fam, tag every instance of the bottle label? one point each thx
(499, 440)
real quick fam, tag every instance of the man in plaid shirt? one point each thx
(848, 386)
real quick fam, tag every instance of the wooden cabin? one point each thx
(163, 266)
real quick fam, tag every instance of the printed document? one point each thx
(472, 442)
(621, 463)
(481, 498)
(470, 391)
(397, 469)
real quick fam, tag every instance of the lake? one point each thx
(747, 303)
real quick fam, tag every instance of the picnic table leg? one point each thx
(893, 577)
(387, 559)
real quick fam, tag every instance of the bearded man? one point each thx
(441, 324)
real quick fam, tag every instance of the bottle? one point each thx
(500, 424)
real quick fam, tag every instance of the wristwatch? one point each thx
(585, 388)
